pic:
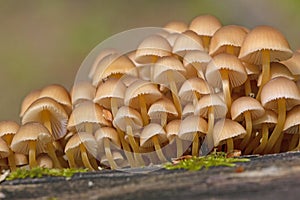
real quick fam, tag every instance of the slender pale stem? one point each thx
(11, 161)
(264, 140)
(265, 71)
(279, 126)
(179, 146)
(32, 154)
(277, 146)
(85, 158)
(143, 107)
(174, 92)
(46, 120)
(52, 155)
(247, 86)
(134, 145)
(126, 148)
(195, 145)
(206, 42)
(71, 160)
(211, 122)
(253, 144)
(226, 89)
(247, 137)
(230, 145)
(108, 154)
(158, 150)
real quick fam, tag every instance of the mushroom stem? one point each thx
(253, 144)
(163, 119)
(279, 126)
(265, 71)
(195, 145)
(108, 154)
(247, 86)
(196, 97)
(179, 147)
(71, 160)
(11, 161)
(206, 42)
(264, 140)
(277, 146)
(294, 142)
(114, 106)
(126, 148)
(46, 120)
(211, 122)
(230, 145)
(85, 158)
(174, 92)
(226, 89)
(230, 49)
(158, 150)
(247, 137)
(32, 154)
(298, 146)
(144, 112)
(52, 155)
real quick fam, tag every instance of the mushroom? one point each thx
(50, 113)
(279, 94)
(189, 109)
(88, 117)
(192, 89)
(161, 110)
(169, 71)
(176, 27)
(128, 120)
(205, 26)
(81, 145)
(82, 91)
(117, 158)
(293, 64)
(28, 100)
(248, 109)
(227, 39)
(44, 161)
(191, 128)
(263, 45)
(20, 159)
(228, 71)
(104, 137)
(172, 131)
(211, 107)
(226, 130)
(32, 139)
(4, 152)
(137, 94)
(7, 131)
(292, 126)
(154, 135)
(195, 63)
(252, 72)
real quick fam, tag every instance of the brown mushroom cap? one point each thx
(107, 132)
(28, 100)
(44, 161)
(293, 63)
(292, 121)
(176, 26)
(172, 129)
(82, 91)
(190, 125)
(188, 109)
(150, 131)
(269, 118)
(205, 25)
(160, 106)
(8, 128)
(197, 60)
(151, 48)
(127, 116)
(244, 104)
(264, 38)
(4, 150)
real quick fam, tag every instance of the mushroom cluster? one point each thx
(185, 90)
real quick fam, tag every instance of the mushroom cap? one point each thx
(168, 65)
(188, 109)
(269, 118)
(99, 57)
(176, 26)
(277, 70)
(196, 60)
(292, 121)
(172, 129)
(82, 91)
(59, 94)
(31, 131)
(163, 105)
(225, 129)
(244, 104)
(205, 25)
(4, 149)
(279, 88)
(293, 63)
(76, 140)
(151, 48)
(88, 112)
(230, 35)
(8, 128)
(140, 87)
(113, 64)
(112, 88)
(127, 116)
(150, 131)
(20, 159)
(171, 38)
(212, 100)
(28, 100)
(190, 125)
(236, 70)
(58, 115)
(107, 132)
(264, 38)
(44, 161)
(187, 41)
(252, 70)
(191, 86)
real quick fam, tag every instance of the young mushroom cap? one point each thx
(46, 110)
(190, 125)
(196, 60)
(127, 116)
(82, 91)
(244, 104)
(269, 118)
(176, 26)
(172, 129)
(188, 109)
(44, 161)
(7, 130)
(150, 131)
(161, 107)
(292, 121)
(4, 149)
(109, 133)
(293, 63)
(28, 100)
(205, 25)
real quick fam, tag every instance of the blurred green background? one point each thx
(44, 42)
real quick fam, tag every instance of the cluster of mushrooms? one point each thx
(184, 91)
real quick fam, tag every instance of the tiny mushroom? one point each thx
(292, 125)
(195, 63)
(172, 131)
(82, 91)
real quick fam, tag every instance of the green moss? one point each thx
(39, 172)
(212, 160)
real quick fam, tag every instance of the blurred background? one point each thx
(44, 42)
